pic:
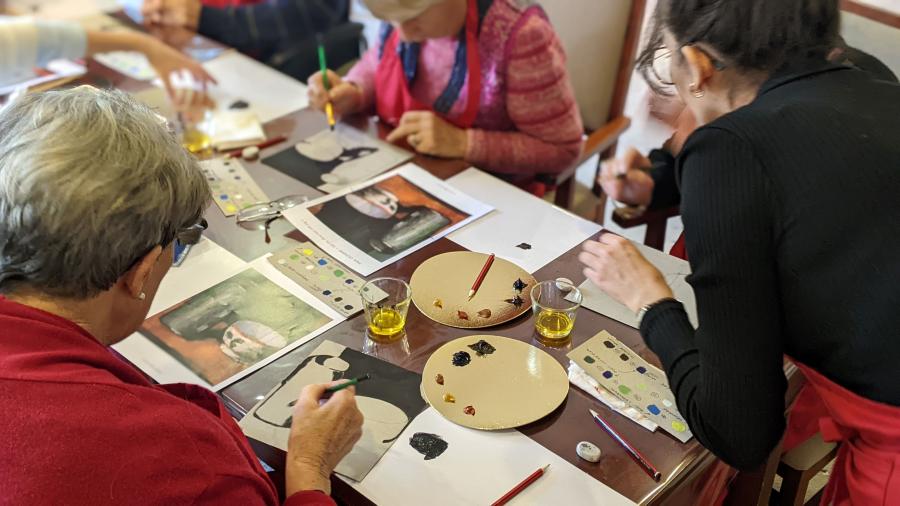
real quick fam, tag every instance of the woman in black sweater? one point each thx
(790, 197)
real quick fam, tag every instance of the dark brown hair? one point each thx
(757, 35)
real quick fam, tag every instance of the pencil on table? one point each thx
(484, 270)
(521, 486)
(636, 455)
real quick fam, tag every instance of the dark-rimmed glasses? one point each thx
(189, 236)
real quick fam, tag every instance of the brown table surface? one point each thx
(680, 464)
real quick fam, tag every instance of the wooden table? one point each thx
(681, 465)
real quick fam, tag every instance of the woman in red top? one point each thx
(94, 192)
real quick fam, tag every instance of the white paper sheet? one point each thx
(270, 93)
(675, 272)
(62, 9)
(387, 217)
(519, 218)
(56, 69)
(478, 467)
(207, 265)
(129, 63)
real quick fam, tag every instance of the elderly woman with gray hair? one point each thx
(480, 80)
(94, 192)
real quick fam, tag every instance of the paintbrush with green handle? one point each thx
(337, 388)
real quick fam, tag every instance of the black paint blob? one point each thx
(482, 348)
(429, 445)
(461, 359)
(516, 301)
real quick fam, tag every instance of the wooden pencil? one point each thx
(636, 455)
(521, 486)
(484, 270)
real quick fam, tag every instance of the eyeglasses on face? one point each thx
(189, 236)
(662, 64)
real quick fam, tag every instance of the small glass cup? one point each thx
(195, 127)
(555, 304)
(386, 303)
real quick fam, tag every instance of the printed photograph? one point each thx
(330, 160)
(232, 326)
(388, 217)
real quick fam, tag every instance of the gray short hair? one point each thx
(90, 181)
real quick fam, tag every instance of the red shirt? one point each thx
(83, 427)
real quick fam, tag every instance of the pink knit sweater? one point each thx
(528, 121)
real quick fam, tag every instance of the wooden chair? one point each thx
(796, 467)
(865, 27)
(601, 55)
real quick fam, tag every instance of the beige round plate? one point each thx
(515, 385)
(440, 289)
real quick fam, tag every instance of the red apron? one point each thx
(679, 249)
(867, 468)
(392, 94)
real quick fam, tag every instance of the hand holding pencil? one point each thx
(626, 179)
(345, 97)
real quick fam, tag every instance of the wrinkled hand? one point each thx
(321, 435)
(623, 181)
(429, 134)
(616, 266)
(184, 13)
(166, 61)
(346, 97)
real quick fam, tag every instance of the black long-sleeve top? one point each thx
(791, 209)
(266, 29)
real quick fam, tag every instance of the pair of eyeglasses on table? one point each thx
(261, 216)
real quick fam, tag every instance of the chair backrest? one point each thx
(875, 30)
(753, 488)
(600, 38)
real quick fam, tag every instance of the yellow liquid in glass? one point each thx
(386, 323)
(554, 325)
(195, 141)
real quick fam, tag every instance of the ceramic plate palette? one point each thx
(492, 382)
(633, 380)
(441, 284)
(323, 276)
(232, 187)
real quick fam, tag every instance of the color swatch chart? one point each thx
(232, 187)
(632, 380)
(324, 277)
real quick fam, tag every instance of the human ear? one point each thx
(135, 279)
(700, 69)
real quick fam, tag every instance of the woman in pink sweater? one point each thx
(506, 107)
